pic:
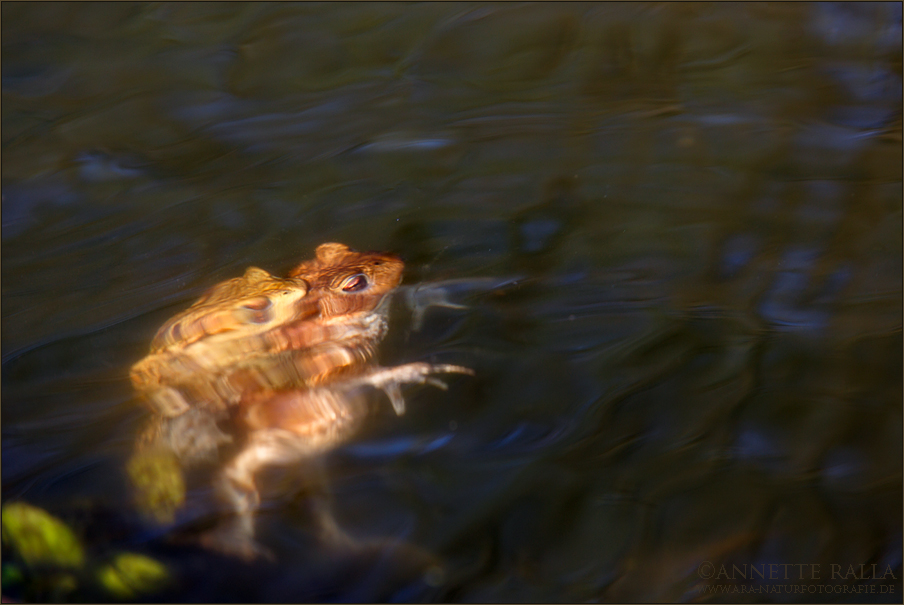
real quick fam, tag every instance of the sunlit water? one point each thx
(676, 230)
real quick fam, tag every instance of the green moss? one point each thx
(159, 485)
(39, 538)
(130, 575)
(11, 575)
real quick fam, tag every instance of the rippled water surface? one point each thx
(676, 229)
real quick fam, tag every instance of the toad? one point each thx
(283, 364)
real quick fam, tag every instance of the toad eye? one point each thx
(281, 293)
(354, 283)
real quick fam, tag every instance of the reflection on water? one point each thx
(676, 230)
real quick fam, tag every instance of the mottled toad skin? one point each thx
(281, 363)
(259, 331)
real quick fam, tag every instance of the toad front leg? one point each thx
(390, 380)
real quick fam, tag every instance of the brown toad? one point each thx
(281, 362)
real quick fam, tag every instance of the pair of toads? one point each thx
(266, 371)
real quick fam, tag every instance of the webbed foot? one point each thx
(422, 297)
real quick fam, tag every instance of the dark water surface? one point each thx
(676, 228)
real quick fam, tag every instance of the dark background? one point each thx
(689, 345)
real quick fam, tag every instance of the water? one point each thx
(676, 228)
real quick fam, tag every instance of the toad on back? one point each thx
(281, 362)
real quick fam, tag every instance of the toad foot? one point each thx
(390, 380)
